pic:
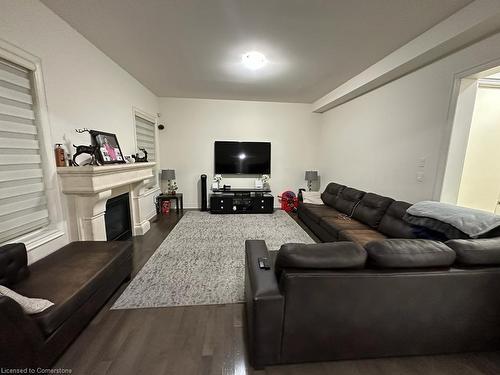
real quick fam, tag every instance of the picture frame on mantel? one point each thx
(109, 151)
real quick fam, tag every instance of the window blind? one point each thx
(145, 134)
(23, 204)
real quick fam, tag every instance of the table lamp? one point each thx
(310, 177)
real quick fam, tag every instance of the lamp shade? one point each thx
(167, 174)
(311, 176)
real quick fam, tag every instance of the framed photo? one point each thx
(109, 151)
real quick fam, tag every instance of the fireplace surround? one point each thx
(88, 189)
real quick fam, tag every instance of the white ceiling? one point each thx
(192, 48)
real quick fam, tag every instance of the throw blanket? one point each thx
(468, 220)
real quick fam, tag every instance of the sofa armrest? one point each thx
(13, 264)
(264, 307)
(20, 337)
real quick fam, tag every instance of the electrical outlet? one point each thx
(421, 162)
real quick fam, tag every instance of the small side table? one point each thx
(164, 197)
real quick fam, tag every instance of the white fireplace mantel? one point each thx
(89, 188)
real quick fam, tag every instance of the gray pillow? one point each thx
(29, 305)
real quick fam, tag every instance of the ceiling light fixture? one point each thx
(253, 60)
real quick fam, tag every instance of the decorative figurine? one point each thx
(83, 149)
(139, 159)
(216, 182)
(265, 181)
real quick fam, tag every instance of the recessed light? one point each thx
(242, 156)
(253, 60)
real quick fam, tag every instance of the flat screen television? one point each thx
(242, 157)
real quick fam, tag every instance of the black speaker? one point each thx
(204, 192)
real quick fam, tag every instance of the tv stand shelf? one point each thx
(241, 190)
(241, 201)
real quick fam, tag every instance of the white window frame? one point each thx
(55, 228)
(154, 119)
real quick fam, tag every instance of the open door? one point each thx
(472, 172)
(480, 180)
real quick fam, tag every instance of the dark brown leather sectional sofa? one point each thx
(79, 278)
(349, 214)
(371, 289)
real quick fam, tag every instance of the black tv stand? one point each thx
(241, 201)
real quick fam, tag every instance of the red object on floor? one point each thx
(289, 202)
(165, 207)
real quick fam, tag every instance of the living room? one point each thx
(127, 127)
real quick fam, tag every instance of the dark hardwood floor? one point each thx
(210, 340)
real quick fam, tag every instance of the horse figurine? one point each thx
(139, 159)
(83, 149)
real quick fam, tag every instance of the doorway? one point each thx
(472, 177)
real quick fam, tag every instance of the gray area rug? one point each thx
(202, 261)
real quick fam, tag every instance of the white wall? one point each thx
(192, 126)
(84, 87)
(480, 184)
(377, 141)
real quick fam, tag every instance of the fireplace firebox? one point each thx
(117, 218)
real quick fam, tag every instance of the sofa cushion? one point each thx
(13, 264)
(361, 236)
(479, 252)
(70, 276)
(371, 209)
(405, 253)
(316, 212)
(334, 224)
(322, 234)
(392, 223)
(331, 192)
(331, 255)
(347, 200)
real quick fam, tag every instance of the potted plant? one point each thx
(172, 187)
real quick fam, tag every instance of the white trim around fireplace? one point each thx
(88, 188)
